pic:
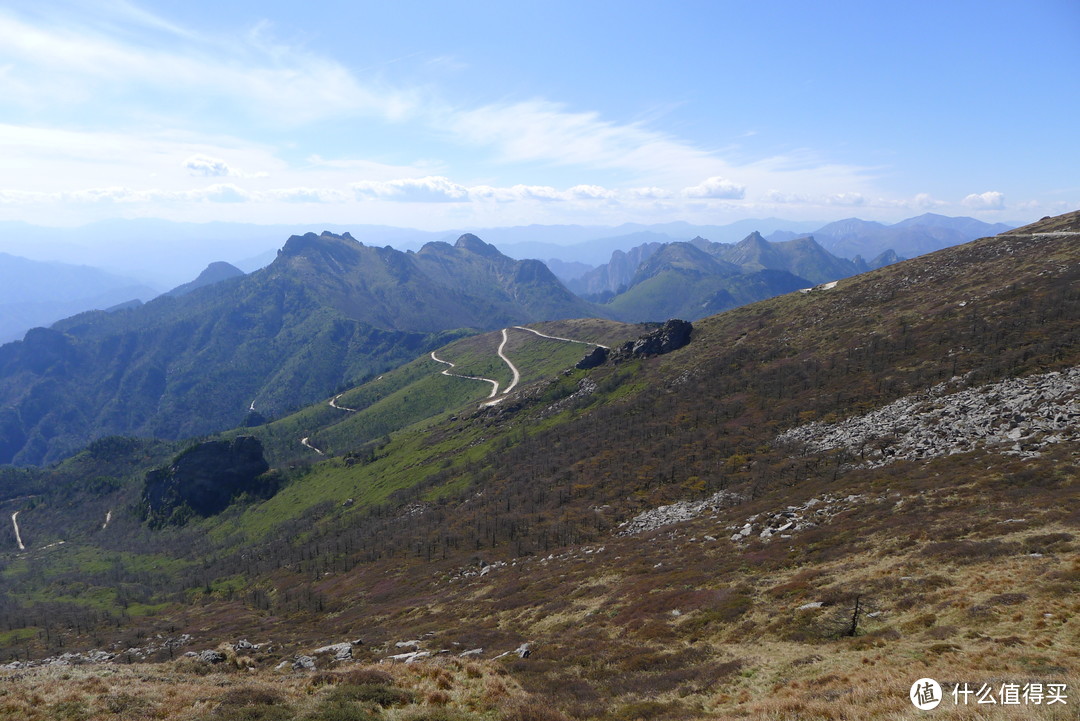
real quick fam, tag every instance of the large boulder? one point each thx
(205, 479)
(673, 335)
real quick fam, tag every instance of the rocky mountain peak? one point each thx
(473, 244)
(213, 273)
(754, 238)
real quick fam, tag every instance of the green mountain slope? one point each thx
(681, 280)
(328, 311)
(700, 278)
(802, 257)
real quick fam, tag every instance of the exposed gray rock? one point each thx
(784, 524)
(243, 646)
(1018, 416)
(340, 651)
(211, 656)
(303, 663)
(596, 357)
(411, 657)
(681, 511)
(674, 334)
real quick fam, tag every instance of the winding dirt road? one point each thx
(305, 442)
(565, 340)
(333, 404)
(18, 538)
(513, 368)
(494, 397)
(494, 383)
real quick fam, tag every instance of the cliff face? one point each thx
(205, 479)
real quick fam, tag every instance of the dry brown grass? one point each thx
(446, 690)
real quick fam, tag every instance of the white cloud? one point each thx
(590, 192)
(221, 193)
(846, 199)
(990, 200)
(308, 195)
(775, 196)
(924, 201)
(208, 167)
(218, 193)
(716, 187)
(437, 189)
(535, 192)
(649, 193)
(432, 189)
(22, 197)
(124, 55)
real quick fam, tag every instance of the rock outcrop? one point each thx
(205, 479)
(1017, 416)
(674, 334)
(596, 357)
(681, 511)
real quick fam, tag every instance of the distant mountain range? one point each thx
(36, 293)
(908, 238)
(694, 279)
(166, 253)
(330, 310)
(327, 312)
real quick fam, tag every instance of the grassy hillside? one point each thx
(541, 519)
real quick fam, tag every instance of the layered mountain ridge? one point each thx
(328, 310)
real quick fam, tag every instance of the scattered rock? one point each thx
(681, 511)
(211, 656)
(411, 657)
(784, 523)
(340, 651)
(303, 663)
(1018, 416)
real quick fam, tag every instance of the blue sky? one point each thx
(439, 115)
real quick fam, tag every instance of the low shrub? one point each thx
(372, 693)
(367, 675)
(342, 710)
(529, 710)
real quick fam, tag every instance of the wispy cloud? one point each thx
(539, 131)
(259, 76)
(131, 67)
